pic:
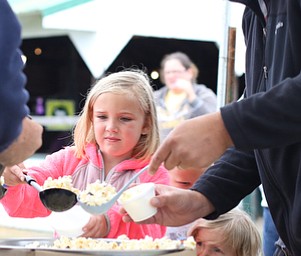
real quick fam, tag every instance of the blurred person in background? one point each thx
(181, 98)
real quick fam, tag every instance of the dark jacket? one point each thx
(13, 96)
(265, 126)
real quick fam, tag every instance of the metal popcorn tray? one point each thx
(19, 246)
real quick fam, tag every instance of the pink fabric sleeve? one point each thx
(23, 200)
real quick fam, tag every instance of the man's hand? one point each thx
(25, 145)
(175, 206)
(195, 143)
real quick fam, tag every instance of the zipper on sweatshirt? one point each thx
(264, 32)
(265, 72)
(265, 68)
(264, 10)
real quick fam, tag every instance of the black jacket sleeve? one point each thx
(229, 180)
(266, 120)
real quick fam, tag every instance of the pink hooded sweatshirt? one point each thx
(23, 200)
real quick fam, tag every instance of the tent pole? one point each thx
(223, 57)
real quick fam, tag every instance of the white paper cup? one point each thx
(69, 223)
(137, 201)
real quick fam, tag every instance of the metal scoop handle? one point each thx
(101, 209)
(32, 182)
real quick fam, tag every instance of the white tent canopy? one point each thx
(100, 29)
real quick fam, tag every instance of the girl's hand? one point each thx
(14, 175)
(96, 227)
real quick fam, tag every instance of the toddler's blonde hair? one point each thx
(238, 230)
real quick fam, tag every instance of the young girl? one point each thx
(231, 234)
(114, 138)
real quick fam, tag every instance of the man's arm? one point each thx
(29, 140)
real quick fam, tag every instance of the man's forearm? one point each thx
(29, 140)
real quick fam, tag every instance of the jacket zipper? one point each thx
(265, 72)
(265, 68)
(260, 154)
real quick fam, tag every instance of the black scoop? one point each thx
(54, 199)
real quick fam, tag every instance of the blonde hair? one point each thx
(238, 230)
(131, 82)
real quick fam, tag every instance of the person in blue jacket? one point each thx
(20, 137)
(255, 140)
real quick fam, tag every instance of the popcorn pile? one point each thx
(97, 193)
(121, 243)
(64, 182)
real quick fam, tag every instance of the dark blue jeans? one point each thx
(269, 233)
